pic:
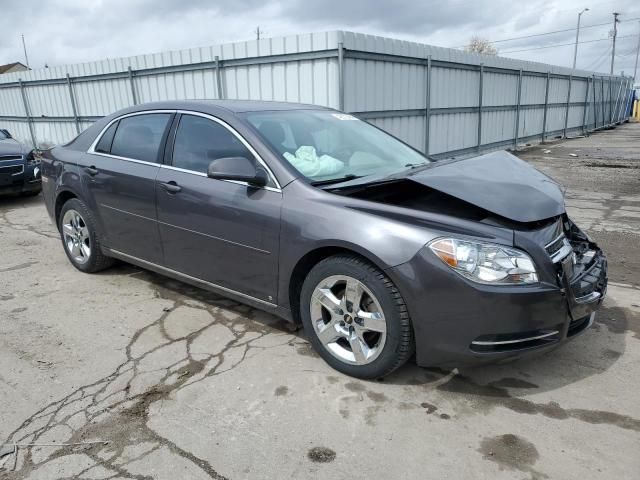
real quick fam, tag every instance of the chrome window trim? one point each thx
(132, 160)
(93, 145)
(200, 174)
(234, 132)
(125, 256)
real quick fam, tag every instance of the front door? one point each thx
(119, 174)
(223, 232)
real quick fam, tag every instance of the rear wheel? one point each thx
(355, 317)
(80, 239)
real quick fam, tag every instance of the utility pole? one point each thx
(635, 69)
(575, 49)
(24, 47)
(615, 34)
(257, 32)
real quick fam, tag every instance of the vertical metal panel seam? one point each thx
(427, 107)
(546, 107)
(586, 107)
(517, 122)
(73, 104)
(566, 112)
(341, 76)
(132, 85)
(480, 92)
(27, 111)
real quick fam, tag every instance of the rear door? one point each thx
(118, 176)
(223, 232)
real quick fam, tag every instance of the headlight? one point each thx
(486, 262)
(32, 158)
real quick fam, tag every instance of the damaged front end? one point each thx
(576, 264)
(458, 319)
(582, 274)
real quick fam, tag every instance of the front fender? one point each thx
(386, 235)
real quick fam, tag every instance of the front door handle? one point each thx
(171, 187)
(91, 170)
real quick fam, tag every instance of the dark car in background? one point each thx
(19, 167)
(324, 219)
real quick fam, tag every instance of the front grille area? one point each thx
(594, 279)
(554, 247)
(10, 157)
(11, 169)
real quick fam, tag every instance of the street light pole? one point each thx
(635, 68)
(575, 49)
(615, 34)
(24, 47)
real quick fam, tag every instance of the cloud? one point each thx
(70, 31)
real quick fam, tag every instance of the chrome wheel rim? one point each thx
(76, 236)
(348, 320)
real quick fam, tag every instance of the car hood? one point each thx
(498, 182)
(11, 147)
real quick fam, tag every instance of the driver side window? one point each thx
(200, 140)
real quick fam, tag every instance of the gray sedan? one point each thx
(325, 220)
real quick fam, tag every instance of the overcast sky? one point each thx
(70, 31)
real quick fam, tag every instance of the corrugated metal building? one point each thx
(439, 100)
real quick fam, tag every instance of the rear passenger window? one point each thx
(104, 145)
(200, 140)
(139, 136)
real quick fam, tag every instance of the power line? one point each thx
(562, 45)
(599, 61)
(551, 33)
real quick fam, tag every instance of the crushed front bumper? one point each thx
(458, 322)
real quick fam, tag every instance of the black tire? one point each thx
(97, 260)
(399, 344)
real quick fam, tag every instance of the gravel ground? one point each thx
(174, 382)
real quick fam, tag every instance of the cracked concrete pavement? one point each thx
(176, 382)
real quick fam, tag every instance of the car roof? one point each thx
(235, 106)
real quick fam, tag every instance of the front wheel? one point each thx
(355, 317)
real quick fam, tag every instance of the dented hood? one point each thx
(498, 182)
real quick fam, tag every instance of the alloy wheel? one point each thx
(76, 236)
(348, 319)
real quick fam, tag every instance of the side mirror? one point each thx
(6, 133)
(238, 168)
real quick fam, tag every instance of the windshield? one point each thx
(327, 146)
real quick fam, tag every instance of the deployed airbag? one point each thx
(307, 162)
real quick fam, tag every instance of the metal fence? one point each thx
(441, 101)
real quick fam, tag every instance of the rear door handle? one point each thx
(171, 187)
(91, 170)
